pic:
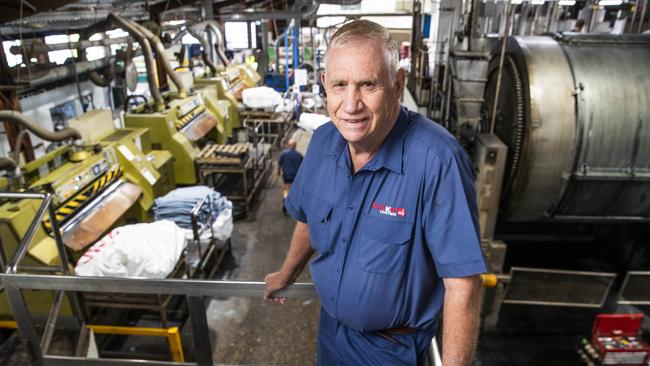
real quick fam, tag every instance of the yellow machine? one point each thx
(111, 180)
(229, 84)
(179, 129)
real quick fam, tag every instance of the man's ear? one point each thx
(322, 79)
(400, 81)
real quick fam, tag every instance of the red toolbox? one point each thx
(616, 337)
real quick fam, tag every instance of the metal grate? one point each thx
(533, 286)
(635, 289)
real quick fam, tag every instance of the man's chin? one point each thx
(353, 136)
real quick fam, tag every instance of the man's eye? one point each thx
(368, 85)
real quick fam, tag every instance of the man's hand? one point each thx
(299, 253)
(275, 281)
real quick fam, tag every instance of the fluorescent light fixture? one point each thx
(567, 2)
(537, 2)
(517, 2)
(175, 22)
(610, 2)
(117, 33)
(56, 39)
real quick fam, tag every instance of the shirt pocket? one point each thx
(318, 219)
(383, 245)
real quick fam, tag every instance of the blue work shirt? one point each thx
(386, 235)
(289, 161)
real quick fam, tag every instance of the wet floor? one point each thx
(248, 331)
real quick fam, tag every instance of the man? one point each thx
(386, 199)
(288, 164)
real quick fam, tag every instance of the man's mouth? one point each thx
(355, 122)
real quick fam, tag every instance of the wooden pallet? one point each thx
(218, 154)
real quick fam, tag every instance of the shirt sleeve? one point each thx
(293, 203)
(450, 215)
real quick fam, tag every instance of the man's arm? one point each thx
(461, 319)
(300, 251)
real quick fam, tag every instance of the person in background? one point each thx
(288, 164)
(385, 199)
(579, 26)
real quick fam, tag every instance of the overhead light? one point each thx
(175, 22)
(117, 33)
(567, 2)
(517, 2)
(610, 2)
(537, 2)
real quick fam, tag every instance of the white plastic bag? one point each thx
(141, 250)
(223, 225)
(311, 121)
(261, 97)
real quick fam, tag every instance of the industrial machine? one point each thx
(566, 168)
(110, 180)
(229, 84)
(573, 113)
(179, 129)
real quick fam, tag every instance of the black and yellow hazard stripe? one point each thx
(71, 206)
(182, 122)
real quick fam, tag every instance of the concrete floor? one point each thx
(248, 331)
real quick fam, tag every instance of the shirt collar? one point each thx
(390, 153)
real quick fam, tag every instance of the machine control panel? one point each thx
(189, 106)
(80, 178)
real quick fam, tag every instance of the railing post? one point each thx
(26, 327)
(200, 331)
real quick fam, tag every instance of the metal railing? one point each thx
(195, 291)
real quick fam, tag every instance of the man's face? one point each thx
(362, 101)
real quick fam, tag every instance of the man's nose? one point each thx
(351, 101)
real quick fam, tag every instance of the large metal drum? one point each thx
(575, 114)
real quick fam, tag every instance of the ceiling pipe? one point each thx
(160, 50)
(302, 9)
(29, 124)
(39, 47)
(63, 72)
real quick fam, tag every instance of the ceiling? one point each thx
(20, 16)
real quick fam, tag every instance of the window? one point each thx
(12, 60)
(237, 34)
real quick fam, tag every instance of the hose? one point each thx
(203, 26)
(204, 54)
(29, 124)
(7, 164)
(19, 144)
(133, 96)
(148, 58)
(160, 50)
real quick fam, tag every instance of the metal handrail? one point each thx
(195, 292)
(203, 288)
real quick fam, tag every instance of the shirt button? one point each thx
(344, 240)
(338, 269)
(350, 207)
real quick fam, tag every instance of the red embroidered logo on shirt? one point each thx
(388, 210)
